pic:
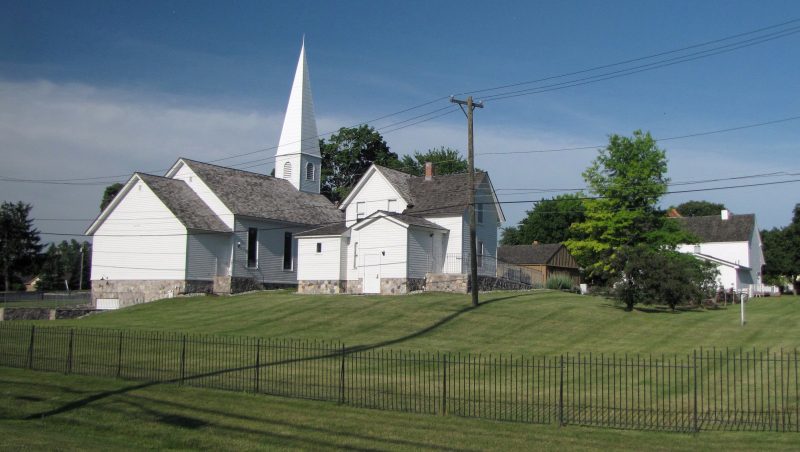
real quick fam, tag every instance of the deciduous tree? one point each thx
(699, 208)
(548, 221)
(347, 155)
(109, 194)
(628, 178)
(445, 161)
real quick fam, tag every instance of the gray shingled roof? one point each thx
(400, 180)
(411, 220)
(528, 254)
(331, 229)
(184, 203)
(712, 228)
(260, 196)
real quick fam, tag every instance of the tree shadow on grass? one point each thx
(656, 309)
(77, 404)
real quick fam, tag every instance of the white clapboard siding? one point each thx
(387, 240)
(323, 265)
(375, 193)
(208, 255)
(186, 174)
(420, 251)
(139, 240)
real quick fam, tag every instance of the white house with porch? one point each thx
(733, 244)
(402, 233)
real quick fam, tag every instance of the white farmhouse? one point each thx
(402, 233)
(732, 243)
(208, 228)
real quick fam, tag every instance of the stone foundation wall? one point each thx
(324, 286)
(443, 282)
(43, 313)
(354, 286)
(489, 283)
(131, 292)
(461, 283)
(400, 286)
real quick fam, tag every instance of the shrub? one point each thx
(663, 277)
(560, 283)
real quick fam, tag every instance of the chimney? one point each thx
(725, 214)
(428, 171)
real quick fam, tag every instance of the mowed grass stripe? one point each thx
(522, 323)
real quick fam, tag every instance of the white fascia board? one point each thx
(375, 217)
(719, 261)
(500, 216)
(110, 208)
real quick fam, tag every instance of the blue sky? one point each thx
(90, 89)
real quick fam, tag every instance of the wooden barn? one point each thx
(551, 259)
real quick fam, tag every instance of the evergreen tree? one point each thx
(19, 242)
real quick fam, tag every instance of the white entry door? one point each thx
(372, 273)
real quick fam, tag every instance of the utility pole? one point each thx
(80, 276)
(473, 246)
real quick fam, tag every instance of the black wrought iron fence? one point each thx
(704, 390)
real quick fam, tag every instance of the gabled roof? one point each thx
(719, 261)
(528, 254)
(261, 196)
(409, 220)
(184, 203)
(712, 228)
(331, 229)
(444, 195)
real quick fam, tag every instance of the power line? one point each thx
(420, 214)
(642, 68)
(632, 60)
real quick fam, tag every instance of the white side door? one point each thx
(372, 273)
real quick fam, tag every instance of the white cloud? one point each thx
(67, 131)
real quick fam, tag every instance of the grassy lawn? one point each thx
(51, 411)
(541, 322)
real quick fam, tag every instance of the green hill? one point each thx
(541, 322)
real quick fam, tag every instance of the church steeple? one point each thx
(298, 158)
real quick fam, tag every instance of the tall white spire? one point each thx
(298, 156)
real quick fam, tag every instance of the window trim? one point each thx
(252, 247)
(310, 169)
(360, 215)
(479, 212)
(355, 255)
(389, 206)
(288, 251)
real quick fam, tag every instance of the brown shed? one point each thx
(551, 259)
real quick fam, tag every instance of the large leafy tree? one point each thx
(19, 241)
(347, 155)
(64, 262)
(782, 253)
(699, 208)
(548, 221)
(628, 178)
(445, 160)
(109, 194)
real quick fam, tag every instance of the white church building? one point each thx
(206, 228)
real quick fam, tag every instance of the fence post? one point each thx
(183, 359)
(444, 385)
(69, 356)
(119, 356)
(694, 383)
(341, 376)
(561, 392)
(258, 365)
(30, 348)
